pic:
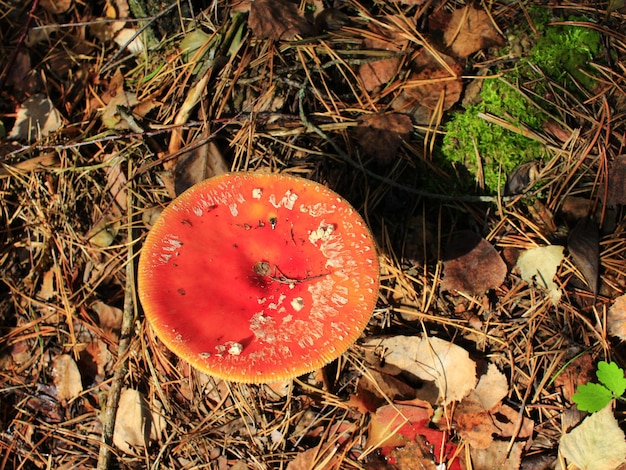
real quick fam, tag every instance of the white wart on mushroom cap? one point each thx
(258, 277)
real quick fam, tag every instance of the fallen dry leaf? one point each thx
(583, 244)
(540, 265)
(36, 118)
(377, 388)
(521, 178)
(104, 231)
(197, 165)
(430, 85)
(395, 425)
(313, 458)
(596, 444)
(491, 388)
(135, 423)
(380, 135)
(94, 361)
(109, 318)
(466, 30)
(379, 72)
(575, 208)
(498, 456)
(278, 21)
(47, 290)
(616, 319)
(431, 359)
(66, 377)
(116, 182)
(471, 264)
(580, 371)
(402, 432)
(479, 427)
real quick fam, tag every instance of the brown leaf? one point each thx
(376, 388)
(479, 426)
(575, 208)
(278, 21)
(580, 371)
(47, 290)
(430, 359)
(472, 265)
(109, 318)
(498, 456)
(36, 118)
(492, 387)
(380, 135)
(583, 244)
(431, 85)
(413, 455)
(616, 195)
(312, 458)
(521, 178)
(616, 319)
(94, 360)
(379, 72)
(466, 30)
(198, 164)
(67, 377)
(135, 423)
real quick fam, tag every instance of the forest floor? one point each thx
(482, 143)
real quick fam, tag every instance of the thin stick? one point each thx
(128, 320)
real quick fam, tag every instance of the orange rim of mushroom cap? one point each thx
(257, 278)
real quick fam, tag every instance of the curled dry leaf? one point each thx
(598, 443)
(431, 359)
(380, 135)
(521, 178)
(67, 377)
(616, 319)
(472, 265)
(583, 244)
(135, 423)
(466, 30)
(540, 265)
(278, 21)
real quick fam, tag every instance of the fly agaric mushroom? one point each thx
(258, 277)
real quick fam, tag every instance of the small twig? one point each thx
(128, 320)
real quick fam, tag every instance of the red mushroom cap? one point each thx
(258, 277)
